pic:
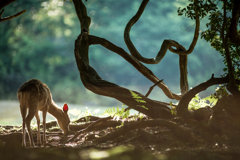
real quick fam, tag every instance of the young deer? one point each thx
(36, 96)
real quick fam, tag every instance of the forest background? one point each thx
(40, 44)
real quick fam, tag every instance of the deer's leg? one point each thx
(38, 125)
(31, 113)
(44, 114)
(23, 113)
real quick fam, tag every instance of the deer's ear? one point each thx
(65, 107)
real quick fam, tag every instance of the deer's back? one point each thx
(34, 92)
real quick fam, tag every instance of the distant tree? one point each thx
(29, 49)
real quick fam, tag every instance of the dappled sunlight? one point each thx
(53, 7)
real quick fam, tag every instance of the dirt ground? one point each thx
(140, 144)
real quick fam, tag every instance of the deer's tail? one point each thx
(21, 98)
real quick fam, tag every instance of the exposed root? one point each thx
(180, 132)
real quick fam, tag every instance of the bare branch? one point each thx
(92, 81)
(1, 13)
(167, 44)
(139, 66)
(183, 59)
(151, 88)
(11, 17)
(182, 108)
(196, 33)
(5, 3)
(195, 37)
(81, 11)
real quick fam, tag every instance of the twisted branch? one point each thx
(139, 66)
(5, 3)
(92, 81)
(13, 16)
(167, 44)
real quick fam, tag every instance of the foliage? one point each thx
(117, 113)
(87, 113)
(53, 128)
(220, 92)
(203, 8)
(198, 102)
(123, 114)
(138, 116)
(215, 32)
(173, 109)
(138, 99)
(29, 50)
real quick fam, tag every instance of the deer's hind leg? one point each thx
(38, 126)
(23, 113)
(32, 109)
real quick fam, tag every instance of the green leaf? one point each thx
(140, 101)
(144, 107)
(173, 112)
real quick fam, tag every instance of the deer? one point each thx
(35, 96)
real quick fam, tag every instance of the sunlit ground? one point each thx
(10, 112)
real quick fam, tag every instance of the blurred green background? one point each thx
(40, 44)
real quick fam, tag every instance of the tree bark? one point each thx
(234, 36)
(133, 61)
(92, 81)
(232, 87)
(182, 108)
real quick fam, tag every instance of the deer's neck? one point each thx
(55, 110)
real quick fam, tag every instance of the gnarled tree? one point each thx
(96, 84)
(196, 9)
